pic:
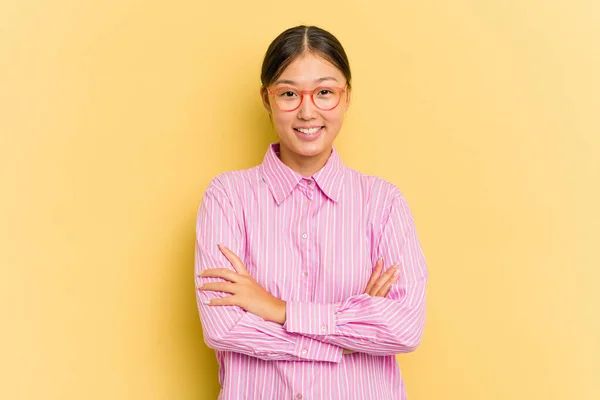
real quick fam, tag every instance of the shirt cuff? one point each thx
(314, 350)
(309, 318)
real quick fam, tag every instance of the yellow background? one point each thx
(115, 115)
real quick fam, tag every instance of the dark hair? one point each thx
(297, 41)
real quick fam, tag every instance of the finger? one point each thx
(385, 289)
(374, 275)
(222, 301)
(226, 287)
(383, 279)
(233, 259)
(224, 273)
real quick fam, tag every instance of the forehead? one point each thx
(309, 68)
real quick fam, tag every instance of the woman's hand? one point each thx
(379, 285)
(247, 293)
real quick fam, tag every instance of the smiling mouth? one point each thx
(311, 131)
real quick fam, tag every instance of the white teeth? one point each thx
(309, 131)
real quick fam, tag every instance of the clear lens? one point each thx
(287, 98)
(326, 98)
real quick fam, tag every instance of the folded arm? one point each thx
(230, 328)
(375, 325)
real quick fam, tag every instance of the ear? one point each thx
(264, 95)
(348, 96)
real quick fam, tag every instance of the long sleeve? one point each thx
(375, 325)
(231, 328)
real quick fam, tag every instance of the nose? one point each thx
(306, 111)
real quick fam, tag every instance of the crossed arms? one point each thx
(311, 331)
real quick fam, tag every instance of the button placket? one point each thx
(306, 242)
(312, 263)
(311, 239)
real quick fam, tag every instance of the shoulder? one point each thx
(233, 184)
(379, 190)
(388, 208)
(382, 198)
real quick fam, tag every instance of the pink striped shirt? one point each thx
(312, 242)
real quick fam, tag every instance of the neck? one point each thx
(304, 165)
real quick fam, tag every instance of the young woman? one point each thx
(310, 276)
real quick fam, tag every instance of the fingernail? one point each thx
(207, 302)
(397, 273)
(201, 273)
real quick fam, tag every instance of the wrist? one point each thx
(279, 311)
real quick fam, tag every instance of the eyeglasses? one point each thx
(325, 98)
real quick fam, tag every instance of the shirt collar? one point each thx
(281, 179)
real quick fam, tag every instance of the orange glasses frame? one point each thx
(312, 96)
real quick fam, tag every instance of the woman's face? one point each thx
(307, 73)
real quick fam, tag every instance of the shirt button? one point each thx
(305, 274)
(304, 235)
(299, 396)
(323, 328)
(304, 351)
(309, 182)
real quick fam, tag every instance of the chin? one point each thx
(310, 149)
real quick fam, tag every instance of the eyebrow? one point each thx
(289, 82)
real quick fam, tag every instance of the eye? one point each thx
(324, 92)
(286, 93)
